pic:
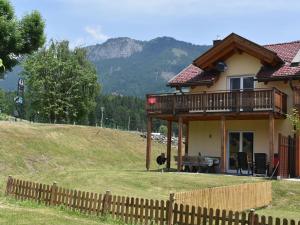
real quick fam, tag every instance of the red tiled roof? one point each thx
(193, 74)
(286, 51)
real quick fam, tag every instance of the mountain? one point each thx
(132, 67)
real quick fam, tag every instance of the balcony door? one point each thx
(241, 83)
(239, 141)
(245, 86)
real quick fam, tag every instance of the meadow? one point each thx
(100, 159)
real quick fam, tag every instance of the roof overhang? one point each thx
(232, 44)
(278, 78)
(191, 84)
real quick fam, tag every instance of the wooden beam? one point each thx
(297, 169)
(179, 161)
(186, 150)
(223, 144)
(271, 141)
(148, 148)
(169, 144)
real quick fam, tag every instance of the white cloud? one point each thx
(96, 33)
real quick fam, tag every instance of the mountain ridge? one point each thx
(127, 66)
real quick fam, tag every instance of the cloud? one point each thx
(96, 33)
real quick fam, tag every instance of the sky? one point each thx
(87, 22)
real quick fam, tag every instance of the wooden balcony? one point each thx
(250, 102)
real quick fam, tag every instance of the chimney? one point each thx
(216, 42)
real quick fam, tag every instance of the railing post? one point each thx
(8, 185)
(53, 194)
(170, 209)
(106, 203)
(251, 217)
(205, 102)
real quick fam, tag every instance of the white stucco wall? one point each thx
(205, 136)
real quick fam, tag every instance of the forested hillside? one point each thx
(130, 67)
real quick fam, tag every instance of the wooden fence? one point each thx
(236, 197)
(134, 210)
(287, 156)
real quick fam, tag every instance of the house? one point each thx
(233, 98)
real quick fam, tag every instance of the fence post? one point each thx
(8, 185)
(53, 193)
(170, 209)
(106, 203)
(251, 217)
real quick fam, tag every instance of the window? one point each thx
(241, 83)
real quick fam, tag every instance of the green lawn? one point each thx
(27, 212)
(95, 159)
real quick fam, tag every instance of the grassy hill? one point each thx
(91, 159)
(95, 159)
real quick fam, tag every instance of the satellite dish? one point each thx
(221, 67)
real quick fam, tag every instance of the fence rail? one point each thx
(235, 197)
(134, 210)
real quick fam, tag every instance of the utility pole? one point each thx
(102, 110)
(128, 127)
(19, 99)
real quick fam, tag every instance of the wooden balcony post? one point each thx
(148, 148)
(179, 161)
(223, 144)
(174, 104)
(186, 150)
(274, 97)
(169, 144)
(297, 149)
(271, 141)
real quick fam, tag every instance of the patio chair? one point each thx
(242, 162)
(260, 165)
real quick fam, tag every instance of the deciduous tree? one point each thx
(61, 84)
(18, 37)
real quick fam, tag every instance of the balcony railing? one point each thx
(255, 100)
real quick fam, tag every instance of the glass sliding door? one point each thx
(234, 148)
(248, 94)
(243, 98)
(239, 141)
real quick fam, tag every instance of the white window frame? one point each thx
(241, 80)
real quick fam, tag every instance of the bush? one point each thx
(4, 117)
